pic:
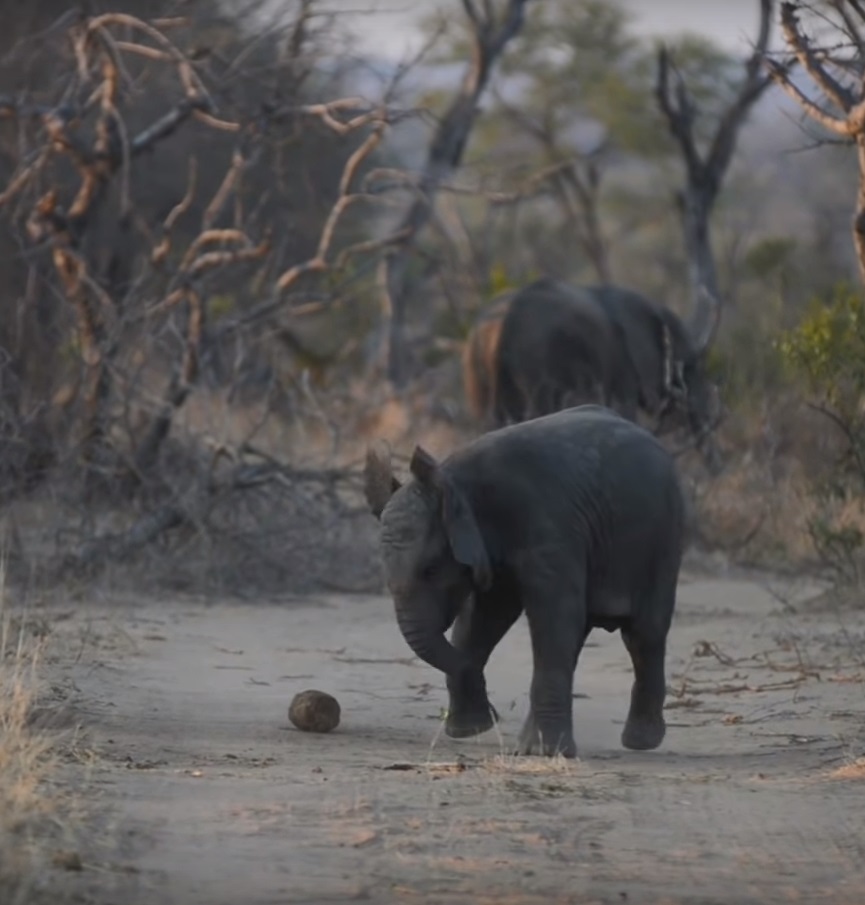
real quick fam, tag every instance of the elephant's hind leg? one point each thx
(646, 641)
(645, 727)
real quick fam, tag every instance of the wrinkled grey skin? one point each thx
(575, 518)
(560, 345)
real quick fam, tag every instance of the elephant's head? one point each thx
(690, 396)
(433, 552)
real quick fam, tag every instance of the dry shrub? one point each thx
(853, 770)
(754, 517)
(297, 522)
(761, 509)
(29, 810)
(290, 535)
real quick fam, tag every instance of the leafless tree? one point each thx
(576, 183)
(705, 169)
(838, 71)
(490, 33)
(98, 154)
(127, 355)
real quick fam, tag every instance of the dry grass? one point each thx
(853, 770)
(759, 510)
(745, 513)
(29, 811)
(498, 764)
(535, 766)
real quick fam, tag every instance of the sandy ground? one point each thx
(204, 793)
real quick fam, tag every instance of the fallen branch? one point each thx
(710, 649)
(691, 688)
(117, 547)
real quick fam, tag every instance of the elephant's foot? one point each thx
(547, 740)
(643, 733)
(469, 709)
(465, 723)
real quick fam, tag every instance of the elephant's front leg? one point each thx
(480, 626)
(558, 632)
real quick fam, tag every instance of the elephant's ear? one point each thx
(425, 468)
(379, 484)
(460, 525)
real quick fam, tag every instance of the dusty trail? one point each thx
(214, 798)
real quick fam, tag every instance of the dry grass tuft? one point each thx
(28, 810)
(533, 766)
(853, 770)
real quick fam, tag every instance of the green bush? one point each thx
(826, 351)
(747, 365)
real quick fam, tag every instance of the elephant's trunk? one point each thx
(425, 636)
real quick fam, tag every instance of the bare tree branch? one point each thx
(576, 182)
(705, 172)
(852, 104)
(489, 38)
(809, 60)
(814, 111)
(754, 84)
(346, 198)
(677, 108)
(849, 23)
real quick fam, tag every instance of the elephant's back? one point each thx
(614, 473)
(547, 308)
(600, 451)
(578, 427)
(557, 333)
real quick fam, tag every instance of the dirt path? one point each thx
(214, 798)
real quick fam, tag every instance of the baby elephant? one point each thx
(576, 518)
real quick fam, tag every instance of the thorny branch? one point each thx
(849, 120)
(318, 262)
(810, 60)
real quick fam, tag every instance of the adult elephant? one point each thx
(550, 345)
(576, 519)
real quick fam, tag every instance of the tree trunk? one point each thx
(695, 205)
(445, 154)
(705, 170)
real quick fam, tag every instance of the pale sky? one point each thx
(390, 32)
